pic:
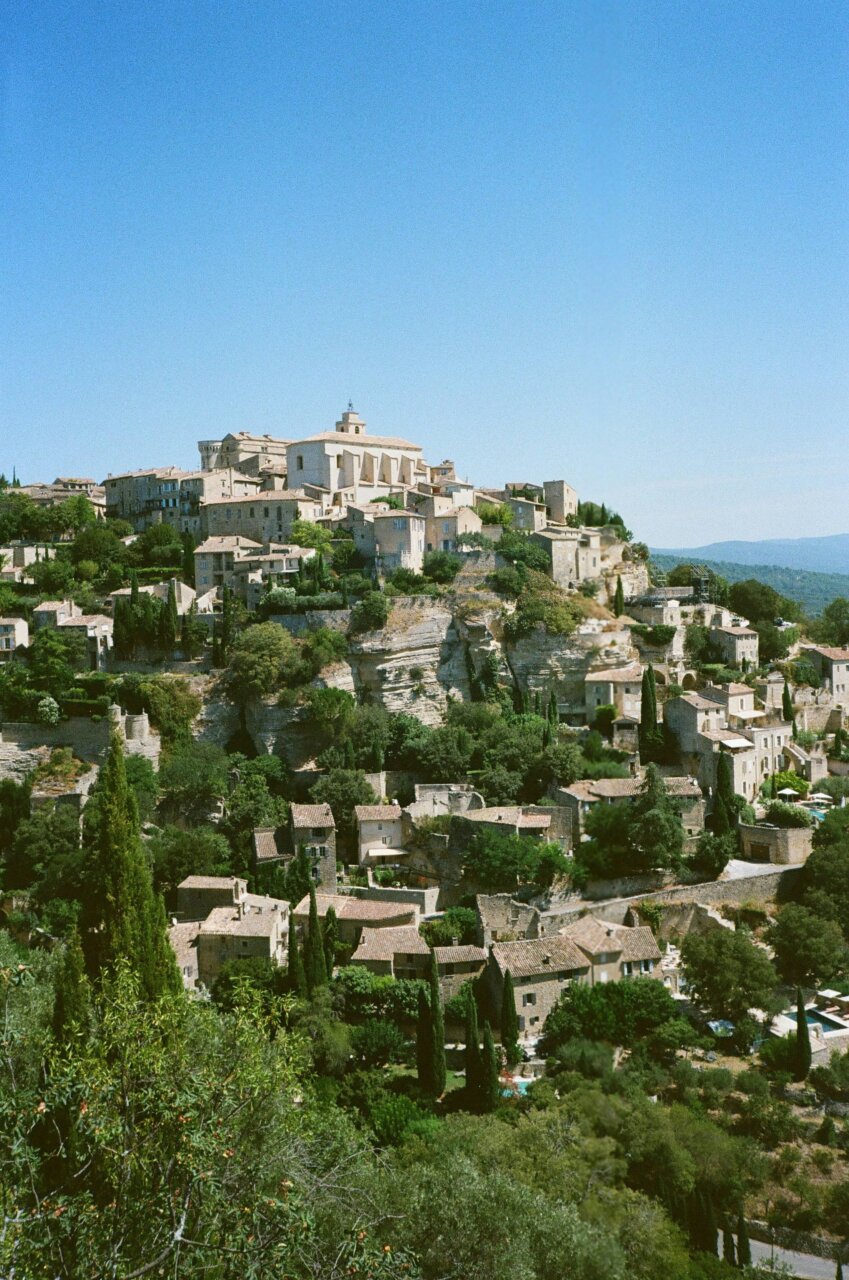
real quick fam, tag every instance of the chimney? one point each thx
(546, 959)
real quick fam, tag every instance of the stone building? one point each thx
(312, 828)
(263, 515)
(380, 831)
(738, 645)
(620, 687)
(784, 846)
(355, 914)
(541, 971)
(353, 466)
(14, 635)
(833, 667)
(223, 922)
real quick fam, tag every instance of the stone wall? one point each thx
(776, 885)
(300, 623)
(424, 899)
(87, 738)
(783, 846)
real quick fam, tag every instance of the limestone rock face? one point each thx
(414, 662)
(540, 661)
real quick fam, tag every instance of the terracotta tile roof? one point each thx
(736, 631)
(617, 675)
(624, 788)
(208, 882)
(833, 655)
(257, 922)
(377, 812)
(312, 815)
(539, 957)
(638, 943)
(385, 944)
(357, 910)
(592, 936)
(465, 953)
(265, 844)
(509, 815)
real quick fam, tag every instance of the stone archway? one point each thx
(689, 681)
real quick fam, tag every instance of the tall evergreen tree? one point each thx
(649, 735)
(226, 637)
(424, 1043)
(787, 703)
(314, 965)
(725, 780)
(71, 991)
(331, 937)
(711, 1231)
(509, 1022)
(121, 917)
(803, 1040)
(473, 1053)
(537, 703)
(167, 623)
(490, 1086)
(296, 977)
(744, 1249)
(619, 598)
(553, 713)
(134, 589)
(838, 1274)
(437, 1024)
(729, 1253)
(188, 559)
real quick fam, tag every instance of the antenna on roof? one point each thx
(350, 406)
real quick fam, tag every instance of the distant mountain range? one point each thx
(815, 555)
(813, 591)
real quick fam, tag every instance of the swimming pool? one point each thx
(521, 1084)
(816, 1018)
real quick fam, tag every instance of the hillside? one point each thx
(811, 590)
(827, 555)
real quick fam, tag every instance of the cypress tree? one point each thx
(787, 703)
(553, 709)
(473, 1054)
(537, 703)
(314, 966)
(295, 971)
(744, 1249)
(489, 1083)
(838, 1275)
(424, 1043)
(803, 1040)
(725, 780)
(71, 996)
(437, 1026)
(134, 589)
(546, 735)
(172, 604)
(728, 1252)
(122, 918)
(509, 1022)
(711, 1231)
(331, 937)
(167, 624)
(188, 559)
(649, 737)
(226, 622)
(618, 598)
(720, 822)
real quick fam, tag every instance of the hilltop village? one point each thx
(497, 822)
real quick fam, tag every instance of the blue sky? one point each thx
(607, 242)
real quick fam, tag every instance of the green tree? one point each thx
(330, 940)
(744, 1249)
(424, 1044)
(727, 974)
(803, 1040)
(473, 1052)
(510, 1022)
(122, 918)
(167, 625)
(808, 949)
(72, 994)
(437, 1030)
(315, 967)
(261, 657)
(650, 736)
(490, 1085)
(619, 598)
(296, 977)
(343, 790)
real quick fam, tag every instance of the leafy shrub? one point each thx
(370, 614)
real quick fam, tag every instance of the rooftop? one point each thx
(227, 542)
(385, 944)
(363, 441)
(538, 957)
(354, 909)
(833, 655)
(510, 815)
(312, 815)
(617, 675)
(377, 812)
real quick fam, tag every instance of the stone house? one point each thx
(185, 595)
(256, 572)
(833, 667)
(380, 832)
(582, 796)
(143, 497)
(503, 919)
(14, 634)
(737, 700)
(740, 751)
(356, 914)
(216, 557)
(198, 895)
(17, 559)
(403, 953)
(614, 951)
(689, 716)
(738, 645)
(264, 516)
(312, 828)
(528, 516)
(620, 687)
(575, 555)
(561, 501)
(390, 539)
(223, 922)
(445, 523)
(783, 846)
(97, 630)
(245, 452)
(541, 970)
(547, 823)
(458, 964)
(50, 613)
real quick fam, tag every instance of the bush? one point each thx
(370, 614)
(789, 816)
(378, 1041)
(441, 566)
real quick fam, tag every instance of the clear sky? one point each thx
(601, 241)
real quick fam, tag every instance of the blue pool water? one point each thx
(815, 1018)
(521, 1087)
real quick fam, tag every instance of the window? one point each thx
(264, 512)
(299, 462)
(529, 997)
(399, 524)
